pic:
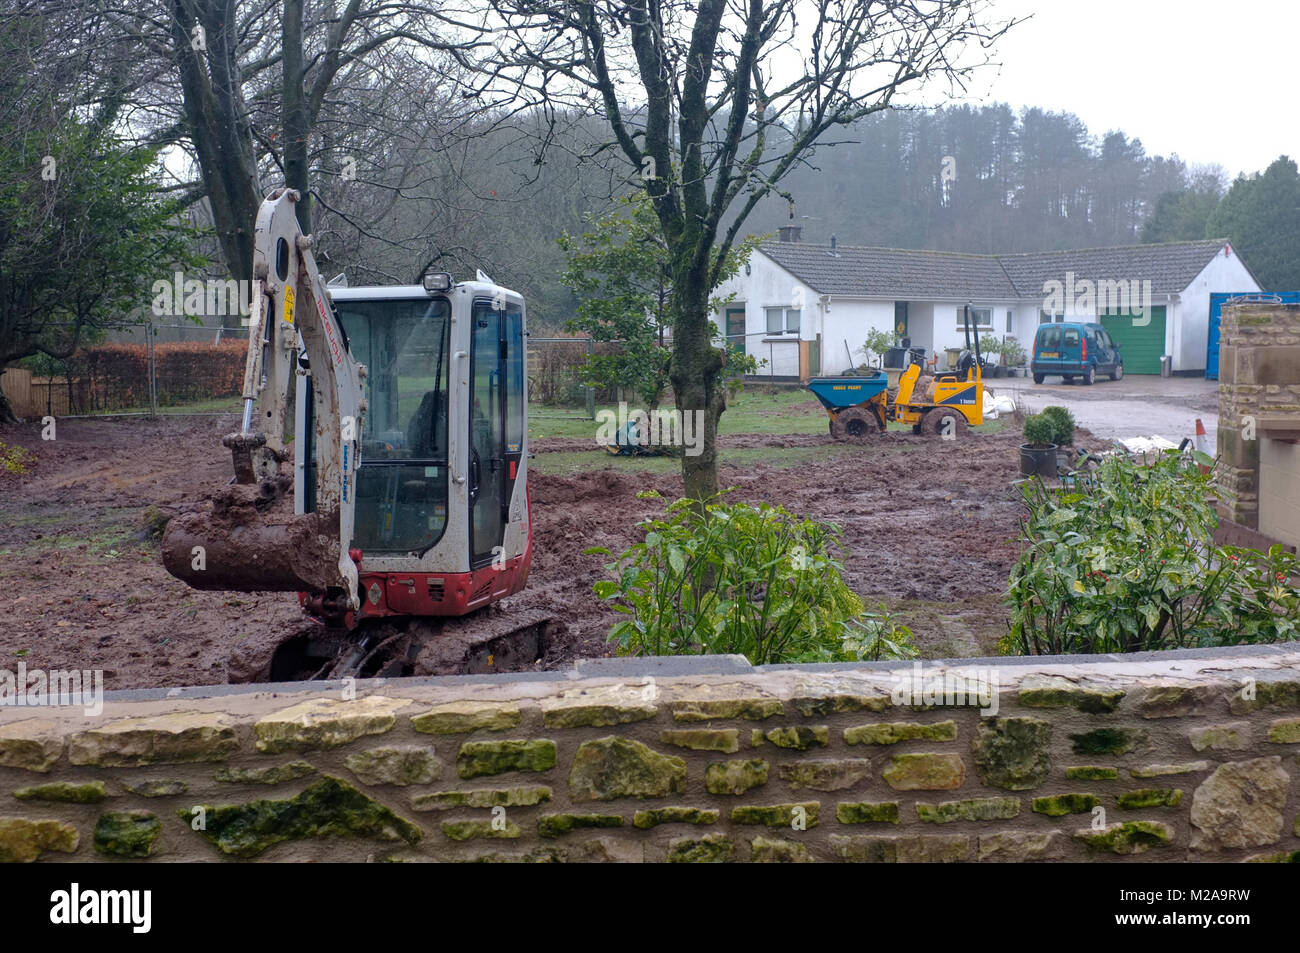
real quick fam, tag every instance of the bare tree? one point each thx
(712, 103)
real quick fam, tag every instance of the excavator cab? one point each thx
(408, 454)
(441, 517)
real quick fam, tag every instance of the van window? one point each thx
(1106, 339)
(1049, 338)
(1071, 337)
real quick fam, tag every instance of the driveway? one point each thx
(1137, 406)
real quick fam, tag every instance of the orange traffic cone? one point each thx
(1202, 443)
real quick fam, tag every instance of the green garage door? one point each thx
(1142, 346)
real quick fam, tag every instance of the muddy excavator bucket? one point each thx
(250, 536)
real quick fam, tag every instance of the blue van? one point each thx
(1075, 349)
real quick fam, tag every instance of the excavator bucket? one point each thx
(247, 537)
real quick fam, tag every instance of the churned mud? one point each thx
(928, 526)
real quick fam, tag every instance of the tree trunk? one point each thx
(296, 123)
(7, 415)
(694, 373)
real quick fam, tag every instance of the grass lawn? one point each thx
(759, 409)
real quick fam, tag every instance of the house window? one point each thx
(782, 320)
(1008, 321)
(981, 319)
(1044, 317)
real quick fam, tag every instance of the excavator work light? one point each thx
(437, 281)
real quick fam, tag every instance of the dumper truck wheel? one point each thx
(936, 423)
(855, 423)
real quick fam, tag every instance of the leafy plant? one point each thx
(879, 340)
(756, 581)
(1013, 355)
(15, 460)
(1128, 563)
(1062, 422)
(1039, 430)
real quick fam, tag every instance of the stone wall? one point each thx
(1259, 401)
(1180, 756)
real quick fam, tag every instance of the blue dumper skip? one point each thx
(1217, 300)
(836, 393)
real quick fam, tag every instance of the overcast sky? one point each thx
(1213, 82)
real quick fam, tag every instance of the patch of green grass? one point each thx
(759, 409)
(578, 461)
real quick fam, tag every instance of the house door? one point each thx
(900, 319)
(736, 330)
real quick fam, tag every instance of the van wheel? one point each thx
(1038, 378)
(1117, 373)
(1090, 375)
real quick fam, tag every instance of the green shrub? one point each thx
(1013, 355)
(1128, 563)
(1062, 425)
(1039, 430)
(15, 460)
(748, 580)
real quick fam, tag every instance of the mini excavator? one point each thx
(388, 485)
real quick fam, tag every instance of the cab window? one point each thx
(1049, 338)
(1071, 337)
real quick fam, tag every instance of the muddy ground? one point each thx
(929, 528)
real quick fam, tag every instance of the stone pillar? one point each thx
(1259, 397)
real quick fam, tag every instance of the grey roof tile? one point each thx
(920, 273)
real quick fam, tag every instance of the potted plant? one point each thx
(1038, 452)
(1013, 355)
(1062, 433)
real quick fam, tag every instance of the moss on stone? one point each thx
(271, 774)
(1150, 797)
(777, 815)
(749, 709)
(828, 775)
(1013, 753)
(710, 849)
(1159, 770)
(889, 733)
(481, 798)
(399, 765)
(822, 705)
(23, 840)
(127, 833)
(724, 740)
(1103, 741)
(595, 716)
(475, 830)
(764, 850)
(91, 792)
(1285, 731)
(477, 758)
(463, 717)
(174, 738)
(1064, 695)
(321, 723)
(925, 771)
(1130, 837)
(1059, 805)
(556, 825)
(1091, 773)
(158, 787)
(609, 768)
(797, 738)
(1266, 695)
(673, 815)
(734, 777)
(867, 812)
(328, 808)
(973, 809)
(1219, 737)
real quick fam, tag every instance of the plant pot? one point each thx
(1038, 459)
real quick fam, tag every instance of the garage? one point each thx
(1142, 345)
